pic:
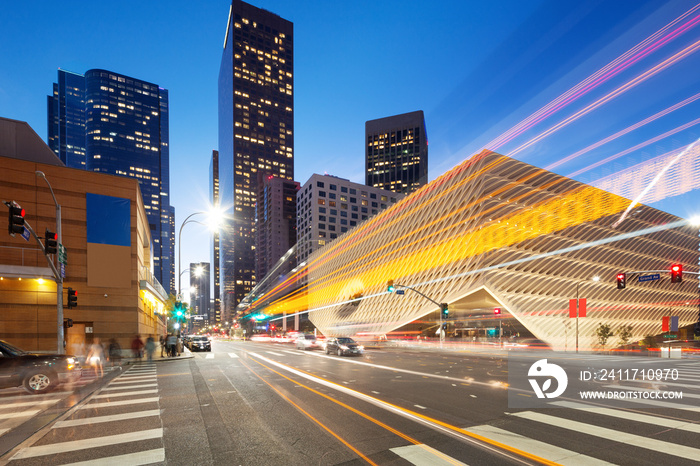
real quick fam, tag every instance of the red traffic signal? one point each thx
(676, 273)
(51, 243)
(497, 311)
(621, 281)
(72, 298)
(16, 220)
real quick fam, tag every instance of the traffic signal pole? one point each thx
(392, 287)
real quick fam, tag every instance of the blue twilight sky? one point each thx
(475, 67)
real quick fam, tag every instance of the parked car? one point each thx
(306, 342)
(343, 346)
(37, 373)
(200, 343)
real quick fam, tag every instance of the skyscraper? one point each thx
(110, 123)
(256, 131)
(276, 225)
(216, 247)
(200, 281)
(396, 152)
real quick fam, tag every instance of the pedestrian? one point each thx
(96, 356)
(115, 353)
(162, 345)
(150, 348)
(137, 347)
(172, 345)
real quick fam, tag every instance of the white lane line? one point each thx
(233, 355)
(120, 403)
(647, 443)
(420, 407)
(210, 356)
(22, 414)
(272, 352)
(129, 387)
(690, 426)
(135, 392)
(423, 455)
(132, 459)
(75, 445)
(98, 419)
(542, 449)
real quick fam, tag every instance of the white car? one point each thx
(306, 342)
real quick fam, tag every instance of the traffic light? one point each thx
(621, 281)
(676, 273)
(445, 311)
(68, 323)
(497, 311)
(179, 310)
(390, 286)
(51, 243)
(16, 220)
(72, 298)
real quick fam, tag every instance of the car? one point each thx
(37, 373)
(306, 342)
(343, 346)
(200, 343)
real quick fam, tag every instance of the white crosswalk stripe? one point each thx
(81, 434)
(639, 441)
(272, 352)
(209, 356)
(233, 355)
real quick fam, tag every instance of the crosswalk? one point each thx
(129, 406)
(621, 424)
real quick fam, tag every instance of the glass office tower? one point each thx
(110, 123)
(396, 152)
(256, 131)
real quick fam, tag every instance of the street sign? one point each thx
(63, 270)
(400, 291)
(62, 254)
(26, 234)
(648, 278)
(670, 335)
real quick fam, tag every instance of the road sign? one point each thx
(400, 291)
(648, 278)
(670, 335)
(63, 270)
(26, 234)
(62, 254)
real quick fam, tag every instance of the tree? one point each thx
(625, 334)
(604, 332)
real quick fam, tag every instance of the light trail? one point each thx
(636, 147)
(627, 130)
(675, 58)
(654, 181)
(683, 177)
(613, 68)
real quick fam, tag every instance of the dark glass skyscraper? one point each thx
(256, 131)
(216, 248)
(111, 123)
(396, 152)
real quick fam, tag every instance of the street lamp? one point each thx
(59, 278)
(215, 220)
(595, 279)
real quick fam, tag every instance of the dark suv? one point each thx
(38, 373)
(200, 343)
(343, 346)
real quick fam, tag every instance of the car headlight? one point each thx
(343, 347)
(361, 348)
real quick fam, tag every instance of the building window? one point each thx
(331, 219)
(319, 184)
(344, 206)
(343, 221)
(373, 195)
(321, 218)
(321, 226)
(331, 195)
(331, 203)
(333, 187)
(343, 189)
(354, 208)
(353, 191)
(322, 194)
(322, 210)
(353, 200)
(321, 202)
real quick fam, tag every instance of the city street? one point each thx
(265, 403)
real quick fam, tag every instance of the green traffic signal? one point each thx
(390, 286)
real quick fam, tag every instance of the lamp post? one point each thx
(595, 279)
(59, 278)
(216, 218)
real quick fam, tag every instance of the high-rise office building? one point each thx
(328, 206)
(110, 123)
(216, 247)
(256, 131)
(396, 152)
(200, 283)
(276, 224)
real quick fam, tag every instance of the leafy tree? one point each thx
(604, 332)
(625, 334)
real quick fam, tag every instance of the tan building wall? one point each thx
(110, 304)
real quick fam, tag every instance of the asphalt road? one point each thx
(253, 403)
